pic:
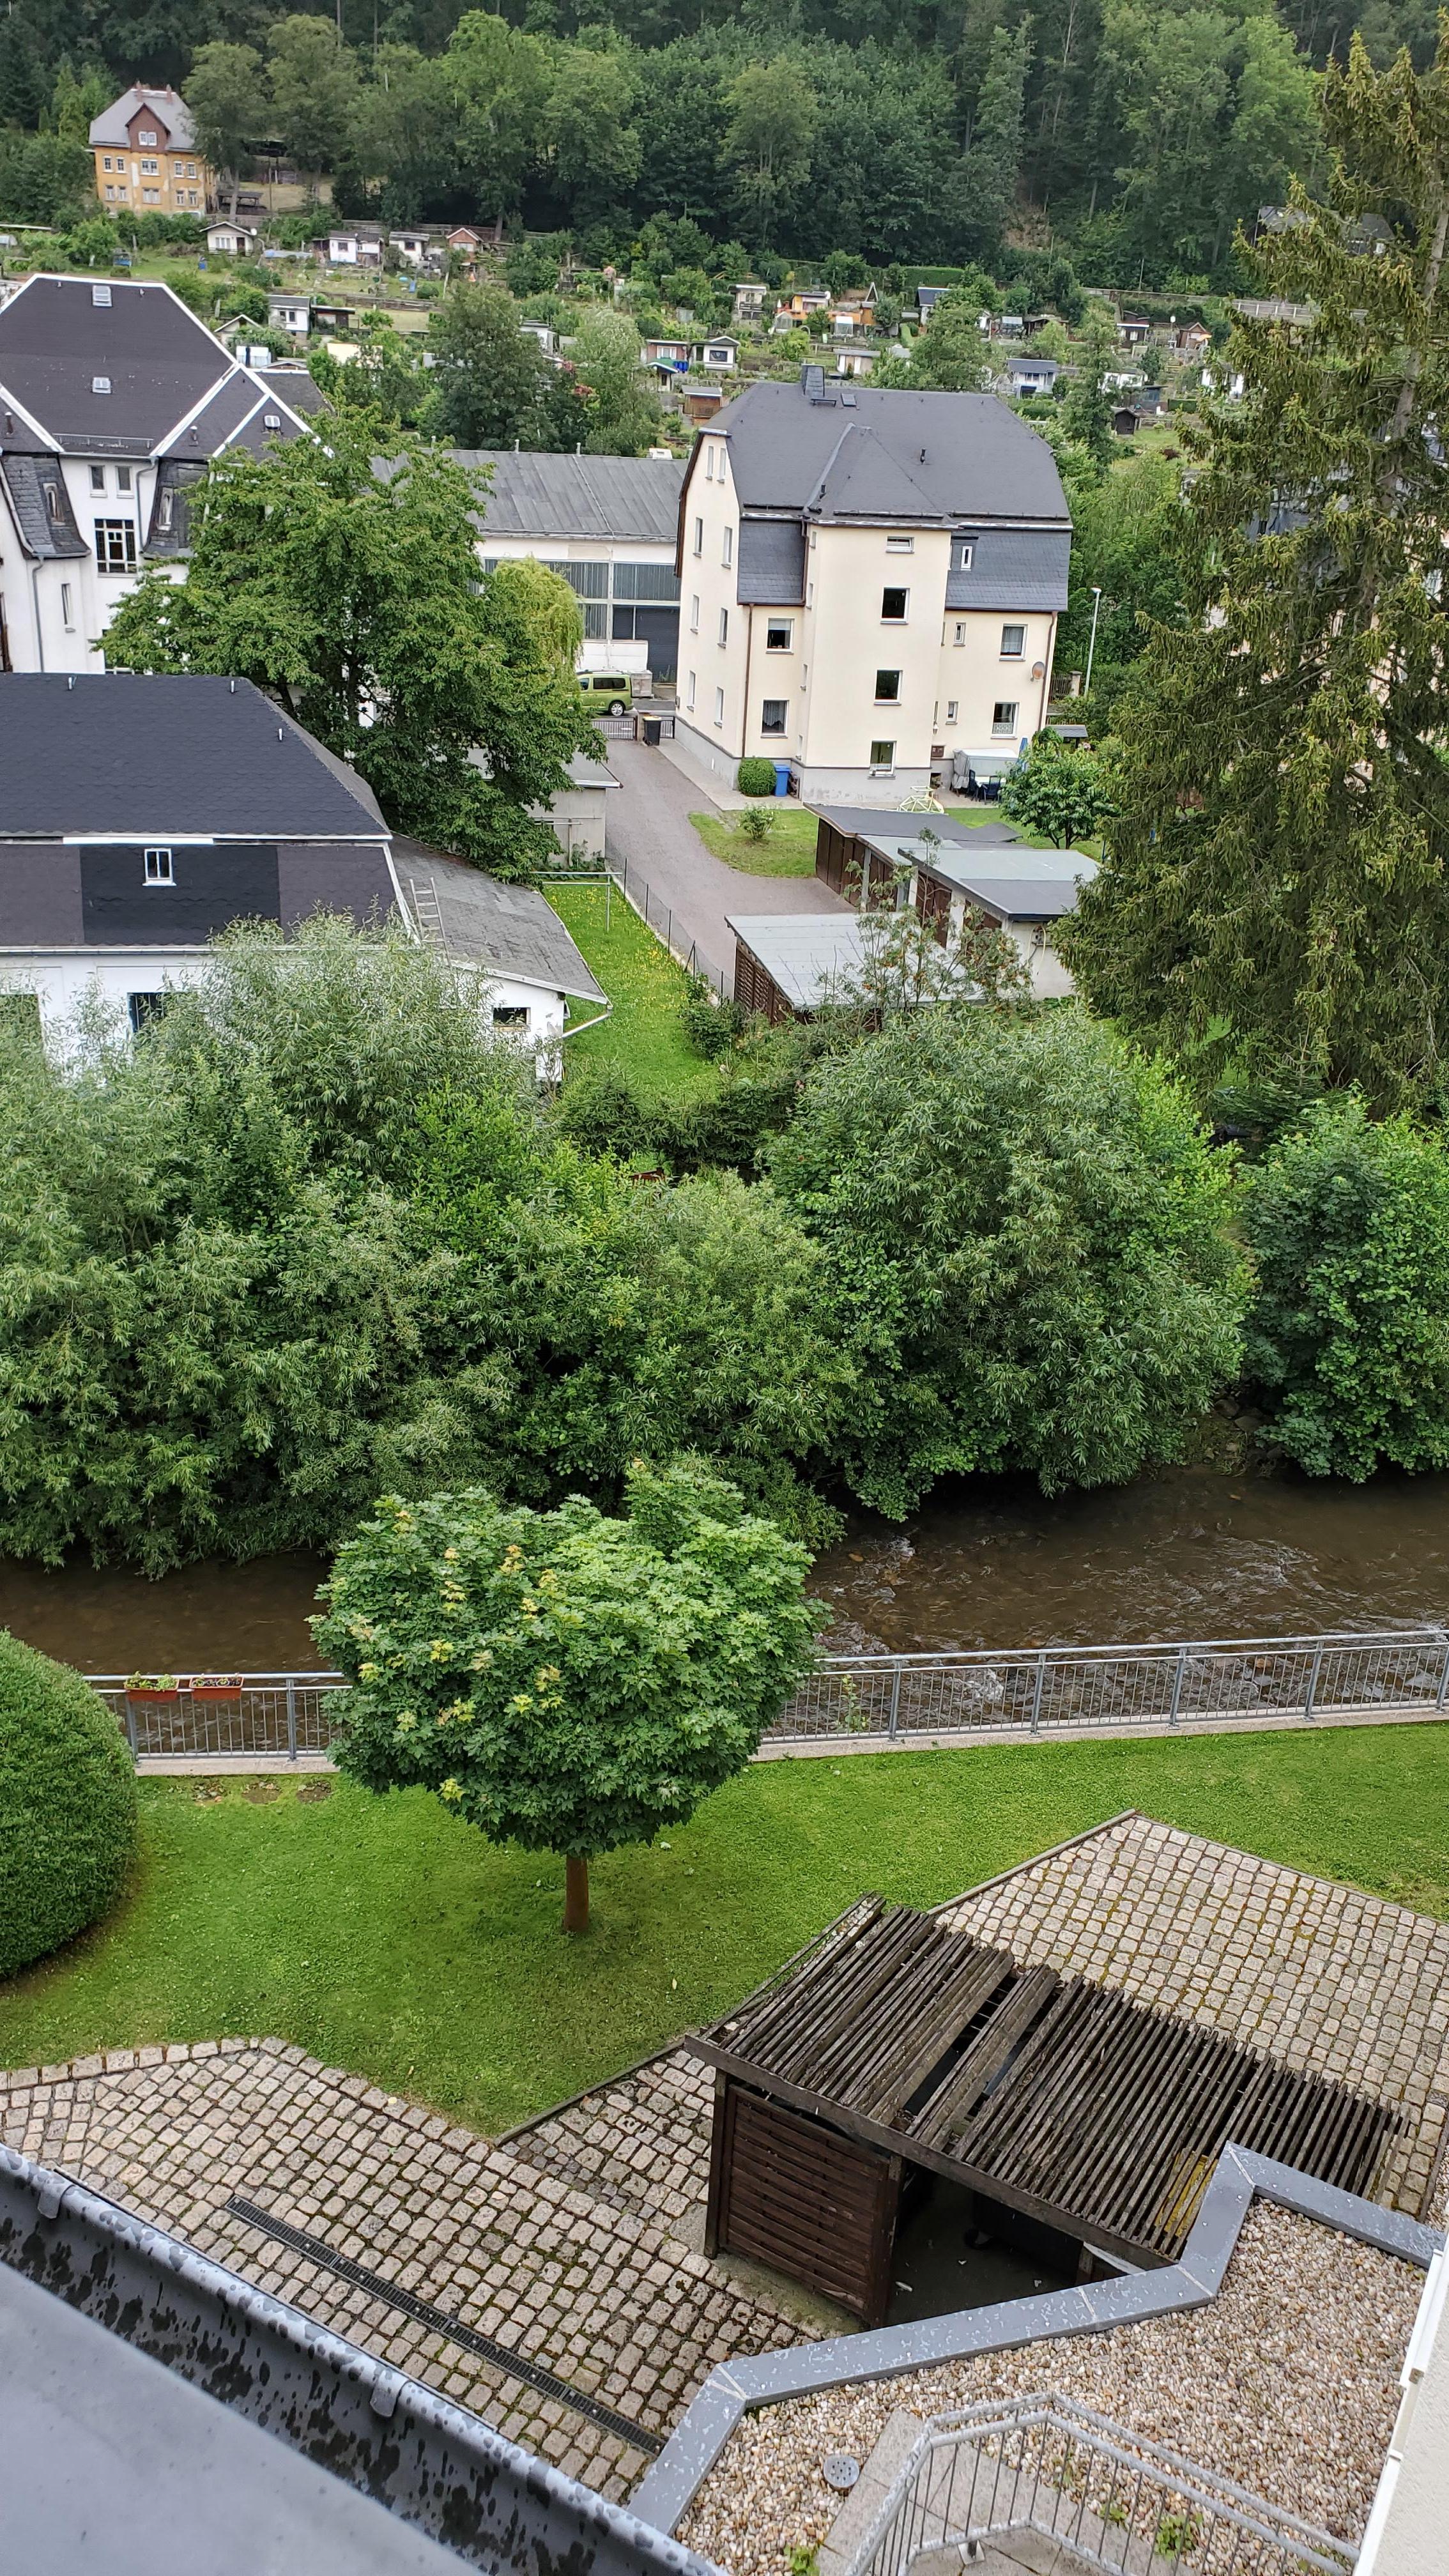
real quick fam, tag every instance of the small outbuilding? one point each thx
(788, 963)
(897, 2054)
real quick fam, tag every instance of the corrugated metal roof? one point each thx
(1022, 568)
(886, 453)
(771, 570)
(510, 928)
(619, 498)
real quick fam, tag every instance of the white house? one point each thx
(112, 398)
(412, 243)
(237, 241)
(289, 312)
(869, 584)
(351, 246)
(608, 524)
(721, 352)
(140, 816)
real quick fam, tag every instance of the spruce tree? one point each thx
(1276, 897)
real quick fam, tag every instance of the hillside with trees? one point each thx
(1136, 133)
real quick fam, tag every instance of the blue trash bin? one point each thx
(782, 778)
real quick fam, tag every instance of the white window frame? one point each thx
(904, 595)
(724, 626)
(694, 612)
(121, 533)
(728, 556)
(159, 865)
(960, 634)
(67, 607)
(123, 478)
(952, 705)
(719, 706)
(888, 697)
(98, 478)
(1013, 652)
(775, 733)
(883, 768)
(689, 696)
(784, 626)
(900, 545)
(699, 536)
(1005, 724)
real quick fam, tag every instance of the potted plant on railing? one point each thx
(216, 1686)
(152, 1686)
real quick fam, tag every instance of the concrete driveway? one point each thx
(649, 825)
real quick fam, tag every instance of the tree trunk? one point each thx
(576, 1893)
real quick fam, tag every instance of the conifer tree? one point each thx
(1277, 897)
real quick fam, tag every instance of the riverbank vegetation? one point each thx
(383, 1937)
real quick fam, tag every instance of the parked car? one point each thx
(611, 693)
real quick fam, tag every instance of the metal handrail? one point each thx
(1046, 2464)
(979, 1691)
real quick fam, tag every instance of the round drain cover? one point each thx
(840, 2471)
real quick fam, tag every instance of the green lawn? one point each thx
(645, 1036)
(383, 1936)
(789, 851)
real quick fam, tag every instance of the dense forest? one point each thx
(1137, 134)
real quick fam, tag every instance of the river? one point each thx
(1196, 1553)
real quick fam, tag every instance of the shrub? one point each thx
(756, 778)
(711, 1026)
(67, 1806)
(757, 825)
(601, 1112)
(1348, 1339)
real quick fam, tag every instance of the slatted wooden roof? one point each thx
(1061, 2098)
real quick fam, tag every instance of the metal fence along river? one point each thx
(987, 1694)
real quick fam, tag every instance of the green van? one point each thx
(609, 693)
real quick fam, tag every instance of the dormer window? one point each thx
(100, 384)
(101, 295)
(165, 502)
(159, 869)
(54, 505)
(271, 420)
(147, 139)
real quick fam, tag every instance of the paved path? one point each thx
(649, 825)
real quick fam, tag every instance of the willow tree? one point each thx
(1276, 895)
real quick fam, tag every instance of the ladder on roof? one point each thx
(428, 912)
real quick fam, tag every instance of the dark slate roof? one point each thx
(1014, 568)
(884, 455)
(771, 570)
(510, 928)
(623, 498)
(43, 537)
(159, 361)
(296, 387)
(118, 753)
(176, 475)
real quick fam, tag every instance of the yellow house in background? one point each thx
(144, 148)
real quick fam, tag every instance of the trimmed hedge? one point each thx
(755, 778)
(67, 1805)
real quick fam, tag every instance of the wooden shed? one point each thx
(892, 2044)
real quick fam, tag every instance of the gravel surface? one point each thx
(1287, 2381)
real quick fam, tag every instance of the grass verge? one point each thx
(789, 851)
(645, 1037)
(383, 1936)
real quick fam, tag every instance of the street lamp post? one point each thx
(1092, 642)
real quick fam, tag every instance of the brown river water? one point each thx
(1193, 1554)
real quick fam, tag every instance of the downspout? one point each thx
(35, 603)
(579, 1026)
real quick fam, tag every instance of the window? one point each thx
(115, 545)
(150, 169)
(689, 696)
(728, 556)
(165, 504)
(960, 635)
(951, 706)
(724, 626)
(123, 478)
(142, 1008)
(147, 142)
(709, 462)
(719, 706)
(699, 536)
(900, 545)
(271, 420)
(962, 551)
(694, 613)
(1013, 643)
(887, 687)
(110, 192)
(510, 1015)
(1003, 716)
(773, 714)
(882, 755)
(98, 478)
(893, 607)
(106, 161)
(780, 635)
(54, 504)
(191, 169)
(159, 870)
(100, 384)
(67, 608)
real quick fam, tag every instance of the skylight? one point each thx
(100, 295)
